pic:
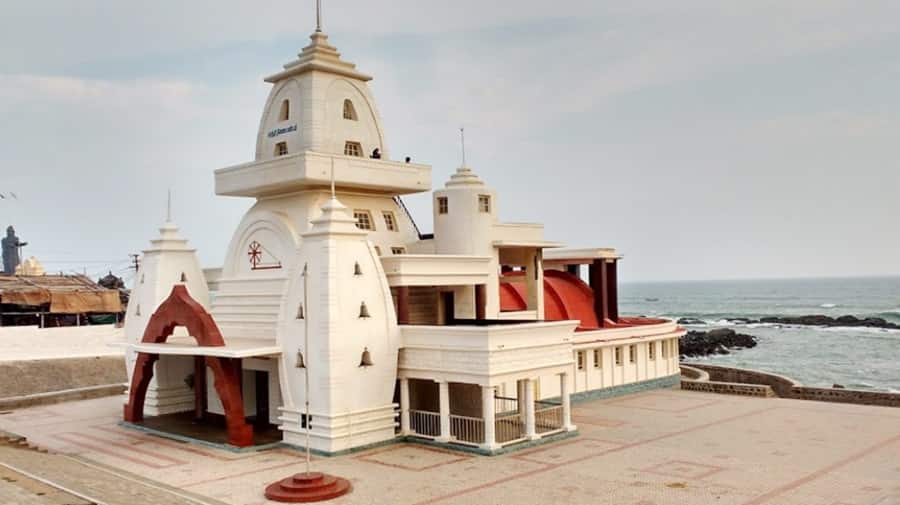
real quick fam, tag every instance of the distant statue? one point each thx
(10, 245)
(376, 154)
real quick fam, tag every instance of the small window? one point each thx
(398, 250)
(484, 203)
(579, 356)
(349, 111)
(651, 350)
(443, 205)
(285, 112)
(389, 222)
(598, 358)
(664, 344)
(353, 149)
(363, 220)
(281, 149)
(618, 352)
(632, 353)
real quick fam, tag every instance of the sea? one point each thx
(858, 358)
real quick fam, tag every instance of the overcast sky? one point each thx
(703, 139)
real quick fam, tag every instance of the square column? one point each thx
(444, 396)
(520, 399)
(404, 407)
(566, 402)
(487, 413)
(402, 304)
(530, 431)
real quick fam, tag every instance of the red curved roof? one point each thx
(566, 297)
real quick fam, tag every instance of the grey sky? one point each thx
(702, 139)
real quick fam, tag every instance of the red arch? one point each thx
(179, 309)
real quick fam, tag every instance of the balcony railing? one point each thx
(509, 428)
(467, 430)
(504, 405)
(547, 418)
(425, 423)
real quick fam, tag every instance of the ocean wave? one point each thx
(828, 305)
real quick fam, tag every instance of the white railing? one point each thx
(508, 428)
(504, 405)
(425, 423)
(467, 430)
(548, 419)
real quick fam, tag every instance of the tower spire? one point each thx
(319, 16)
(462, 140)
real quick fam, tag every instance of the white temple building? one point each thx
(480, 334)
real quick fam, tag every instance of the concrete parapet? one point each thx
(720, 379)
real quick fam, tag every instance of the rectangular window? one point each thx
(651, 350)
(665, 348)
(618, 352)
(398, 250)
(443, 205)
(281, 149)
(632, 353)
(580, 359)
(363, 220)
(389, 222)
(484, 203)
(353, 149)
(598, 358)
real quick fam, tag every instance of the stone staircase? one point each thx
(19, 442)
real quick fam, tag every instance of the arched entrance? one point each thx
(179, 309)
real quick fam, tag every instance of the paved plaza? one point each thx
(656, 448)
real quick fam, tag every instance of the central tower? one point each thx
(319, 127)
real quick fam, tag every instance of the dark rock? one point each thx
(691, 321)
(827, 321)
(715, 341)
(837, 386)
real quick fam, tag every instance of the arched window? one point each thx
(349, 111)
(285, 112)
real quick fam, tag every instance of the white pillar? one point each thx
(530, 432)
(520, 399)
(444, 391)
(487, 413)
(404, 407)
(566, 402)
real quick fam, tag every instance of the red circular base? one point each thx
(308, 487)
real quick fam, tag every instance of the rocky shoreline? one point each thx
(810, 320)
(717, 341)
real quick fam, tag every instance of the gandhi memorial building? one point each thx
(480, 334)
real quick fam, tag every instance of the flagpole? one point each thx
(308, 362)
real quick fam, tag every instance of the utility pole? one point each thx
(135, 261)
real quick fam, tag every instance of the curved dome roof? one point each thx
(566, 297)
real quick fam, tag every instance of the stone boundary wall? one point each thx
(33, 377)
(781, 386)
(728, 388)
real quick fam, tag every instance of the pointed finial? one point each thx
(462, 139)
(169, 207)
(332, 179)
(319, 16)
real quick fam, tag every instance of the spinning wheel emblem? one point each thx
(255, 255)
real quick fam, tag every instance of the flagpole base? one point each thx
(308, 487)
